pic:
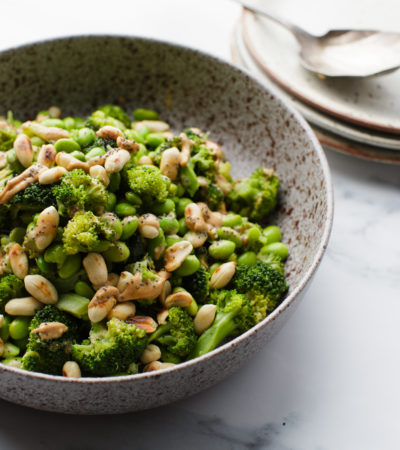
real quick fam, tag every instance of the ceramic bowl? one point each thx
(188, 88)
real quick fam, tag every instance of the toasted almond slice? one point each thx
(146, 323)
(223, 275)
(176, 254)
(50, 330)
(41, 288)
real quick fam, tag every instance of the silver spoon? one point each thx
(342, 53)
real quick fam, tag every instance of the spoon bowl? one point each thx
(342, 53)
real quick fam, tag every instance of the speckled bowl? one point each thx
(188, 88)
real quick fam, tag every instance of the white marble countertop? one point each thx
(330, 379)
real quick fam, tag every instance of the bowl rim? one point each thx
(292, 294)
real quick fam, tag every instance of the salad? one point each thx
(126, 247)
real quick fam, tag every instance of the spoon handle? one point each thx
(300, 34)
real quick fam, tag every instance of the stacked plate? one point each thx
(360, 117)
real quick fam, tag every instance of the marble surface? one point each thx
(330, 379)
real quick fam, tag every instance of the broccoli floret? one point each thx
(262, 284)
(148, 183)
(7, 138)
(273, 260)
(5, 174)
(78, 190)
(110, 351)
(83, 233)
(234, 316)
(203, 162)
(10, 287)
(177, 336)
(108, 115)
(33, 198)
(117, 113)
(197, 284)
(49, 355)
(212, 195)
(256, 196)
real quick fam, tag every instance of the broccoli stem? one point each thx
(223, 326)
(163, 329)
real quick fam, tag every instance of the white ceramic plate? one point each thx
(372, 102)
(327, 138)
(314, 116)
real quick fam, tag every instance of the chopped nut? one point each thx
(223, 275)
(71, 369)
(50, 330)
(176, 254)
(18, 261)
(41, 288)
(180, 298)
(204, 318)
(145, 323)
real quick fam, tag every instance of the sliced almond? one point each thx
(146, 323)
(176, 254)
(50, 330)
(41, 288)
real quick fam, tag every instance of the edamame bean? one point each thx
(272, 234)
(36, 141)
(231, 235)
(133, 198)
(163, 207)
(124, 209)
(157, 246)
(70, 267)
(83, 289)
(113, 229)
(180, 190)
(44, 266)
(253, 235)
(153, 140)
(5, 329)
(214, 267)
(86, 136)
(115, 181)
(94, 153)
(169, 225)
(222, 249)
(129, 227)
(145, 114)
(247, 259)
(232, 220)
(69, 123)
(117, 253)
(53, 123)
(102, 246)
(67, 145)
(55, 254)
(182, 226)
(133, 135)
(181, 205)
(17, 234)
(189, 266)
(78, 155)
(193, 308)
(19, 327)
(142, 132)
(111, 201)
(10, 350)
(276, 248)
(172, 239)
(12, 160)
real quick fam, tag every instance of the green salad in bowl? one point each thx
(127, 247)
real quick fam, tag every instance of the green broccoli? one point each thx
(108, 115)
(256, 196)
(148, 183)
(83, 233)
(197, 284)
(212, 195)
(34, 198)
(203, 162)
(263, 284)
(78, 190)
(177, 336)
(49, 355)
(110, 350)
(234, 316)
(7, 138)
(10, 287)
(5, 174)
